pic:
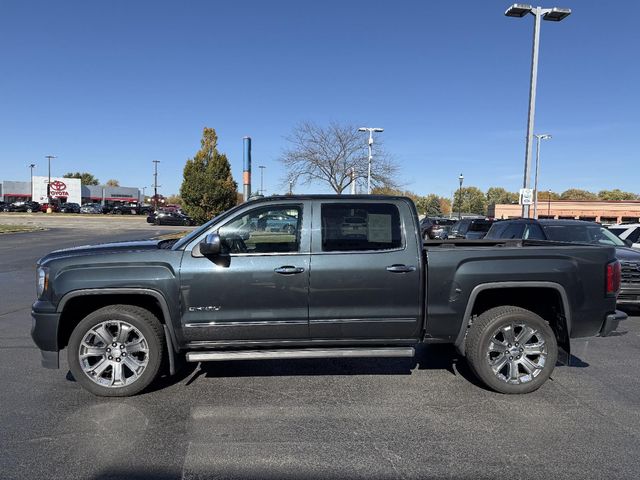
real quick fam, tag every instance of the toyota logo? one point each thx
(58, 186)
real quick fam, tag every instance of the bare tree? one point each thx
(330, 155)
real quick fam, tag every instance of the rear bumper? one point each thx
(611, 322)
(44, 331)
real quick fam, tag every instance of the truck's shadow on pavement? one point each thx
(428, 357)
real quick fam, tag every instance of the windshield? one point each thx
(594, 234)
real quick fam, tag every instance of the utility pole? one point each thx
(261, 167)
(548, 203)
(49, 157)
(544, 136)
(370, 130)
(155, 184)
(32, 166)
(460, 179)
(290, 187)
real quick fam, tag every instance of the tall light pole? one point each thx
(261, 167)
(32, 166)
(370, 130)
(155, 184)
(290, 187)
(544, 136)
(49, 157)
(460, 179)
(551, 14)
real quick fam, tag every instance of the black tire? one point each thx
(138, 317)
(29, 210)
(485, 335)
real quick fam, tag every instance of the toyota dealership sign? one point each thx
(63, 189)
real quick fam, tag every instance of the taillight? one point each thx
(613, 277)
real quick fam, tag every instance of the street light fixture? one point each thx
(554, 14)
(461, 179)
(370, 130)
(539, 137)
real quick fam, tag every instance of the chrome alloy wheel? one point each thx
(113, 353)
(517, 353)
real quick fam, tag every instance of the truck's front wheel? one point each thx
(116, 351)
(512, 350)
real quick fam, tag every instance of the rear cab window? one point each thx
(360, 227)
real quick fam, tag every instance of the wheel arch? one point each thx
(556, 310)
(75, 305)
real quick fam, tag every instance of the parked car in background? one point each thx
(69, 208)
(436, 227)
(577, 231)
(351, 227)
(628, 232)
(144, 209)
(91, 208)
(124, 210)
(470, 228)
(27, 207)
(170, 218)
(55, 207)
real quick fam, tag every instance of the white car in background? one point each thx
(629, 232)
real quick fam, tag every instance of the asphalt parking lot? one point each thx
(318, 419)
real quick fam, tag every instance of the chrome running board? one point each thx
(300, 353)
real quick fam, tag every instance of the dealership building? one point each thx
(66, 190)
(603, 211)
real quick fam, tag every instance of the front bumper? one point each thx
(611, 323)
(44, 331)
(629, 295)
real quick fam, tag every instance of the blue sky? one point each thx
(110, 86)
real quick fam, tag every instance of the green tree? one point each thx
(430, 205)
(85, 178)
(207, 187)
(577, 194)
(545, 194)
(498, 195)
(616, 194)
(112, 183)
(470, 200)
(445, 205)
(173, 200)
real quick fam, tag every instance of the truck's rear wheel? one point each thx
(512, 350)
(116, 351)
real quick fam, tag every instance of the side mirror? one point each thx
(211, 245)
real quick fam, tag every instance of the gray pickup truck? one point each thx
(318, 277)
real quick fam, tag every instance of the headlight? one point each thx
(43, 280)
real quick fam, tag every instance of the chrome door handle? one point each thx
(401, 268)
(289, 270)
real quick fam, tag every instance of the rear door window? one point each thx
(360, 227)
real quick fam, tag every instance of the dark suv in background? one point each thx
(470, 228)
(578, 231)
